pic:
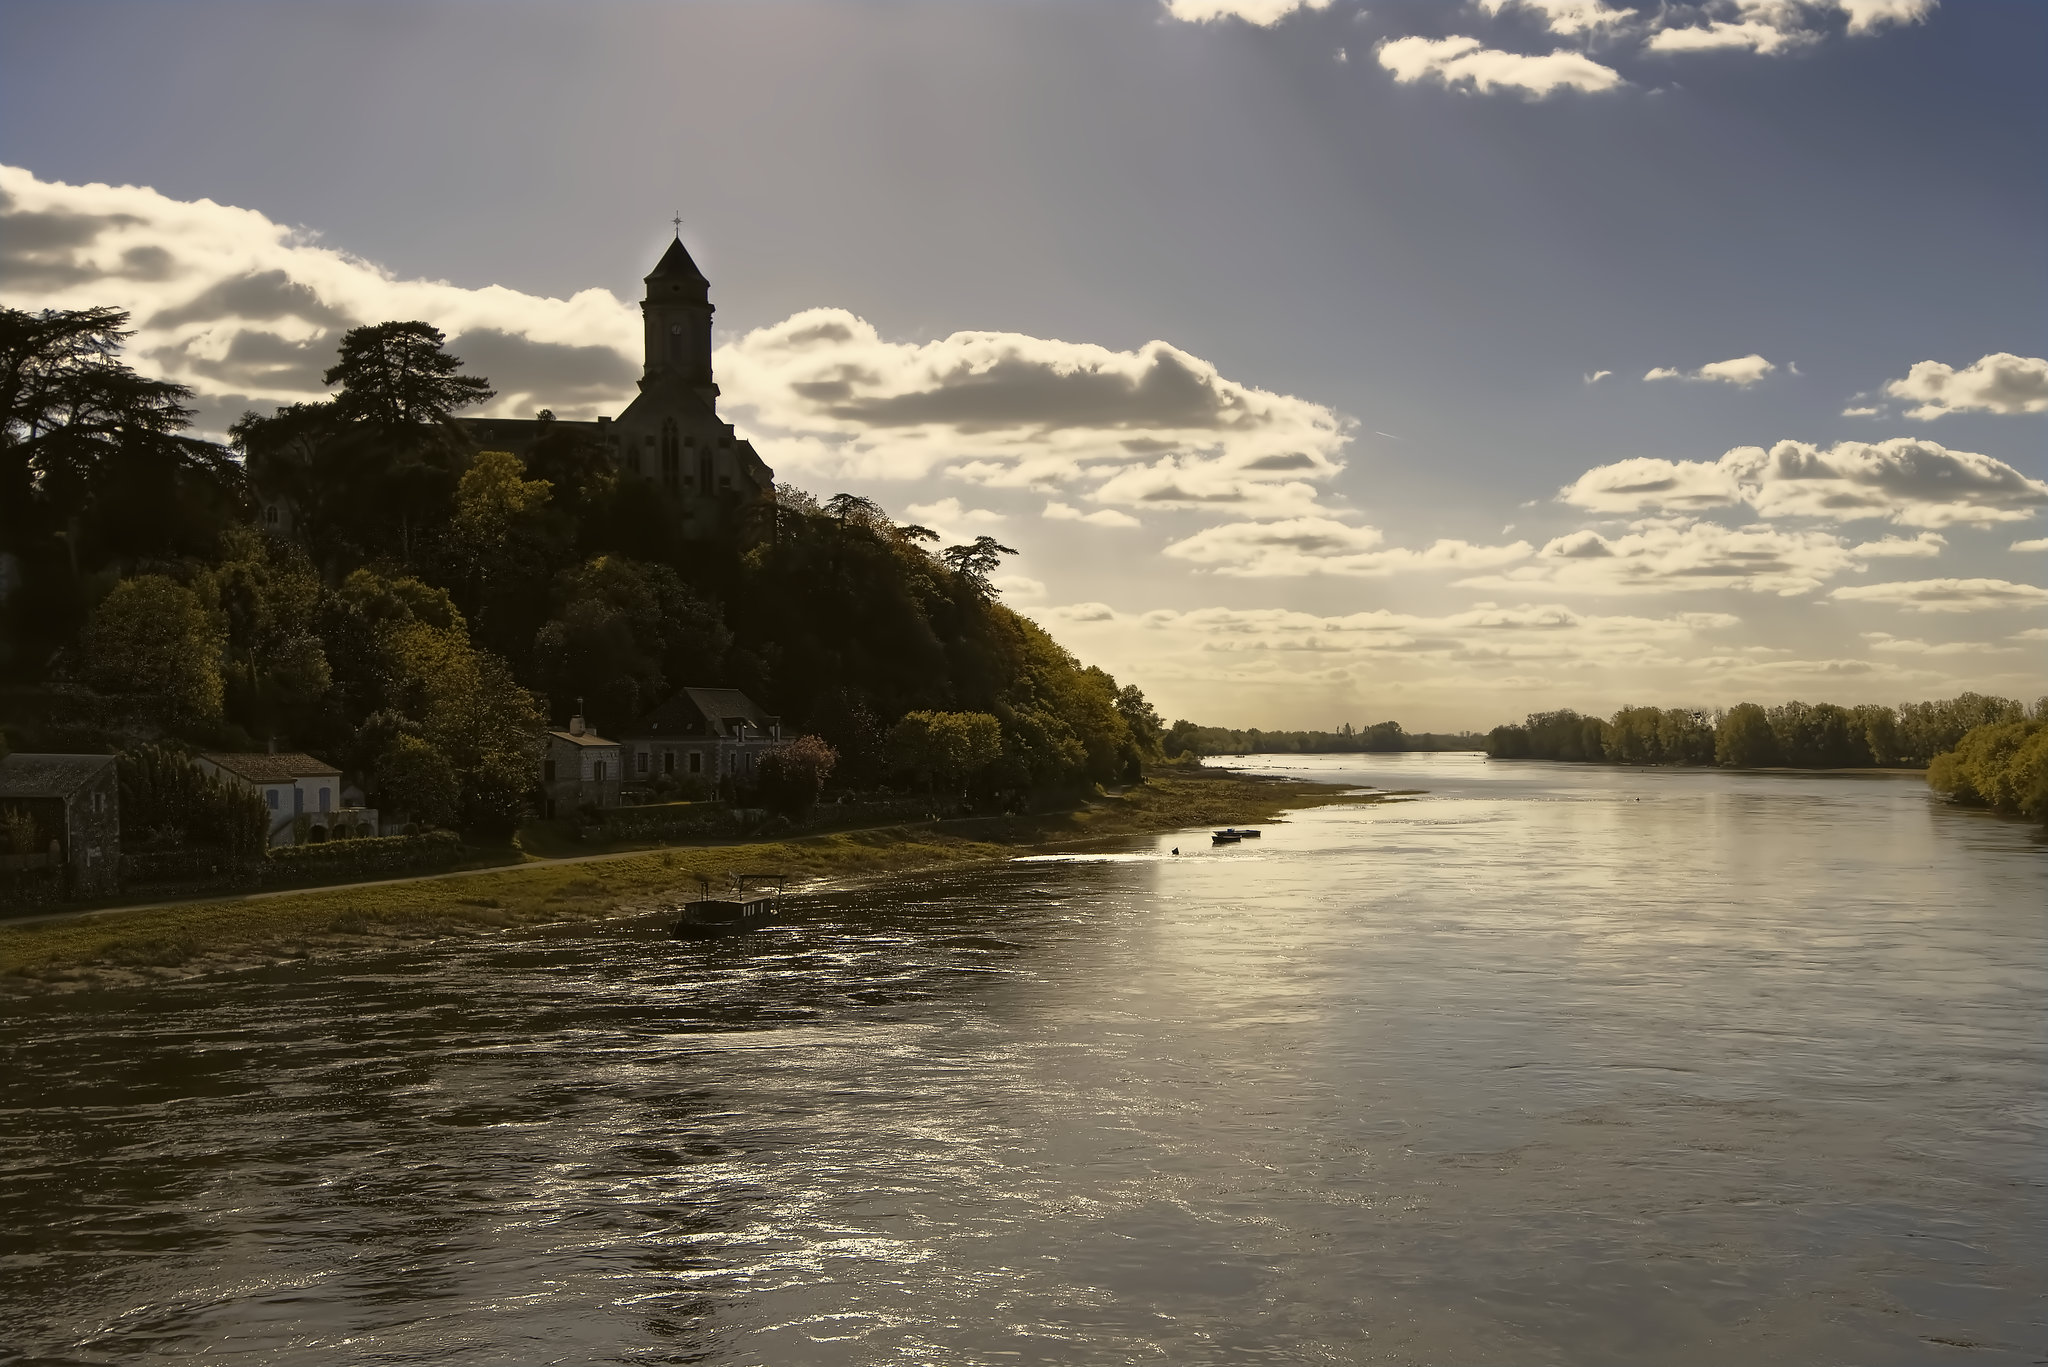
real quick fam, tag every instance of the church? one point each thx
(671, 435)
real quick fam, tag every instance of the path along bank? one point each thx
(139, 945)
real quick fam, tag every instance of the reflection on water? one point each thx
(1556, 1065)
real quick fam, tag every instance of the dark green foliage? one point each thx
(95, 478)
(1794, 734)
(168, 801)
(395, 376)
(2003, 765)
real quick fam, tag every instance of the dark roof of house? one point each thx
(49, 775)
(259, 767)
(702, 711)
(587, 738)
(675, 264)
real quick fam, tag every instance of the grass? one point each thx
(152, 943)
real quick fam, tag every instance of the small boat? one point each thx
(1225, 838)
(744, 909)
(1242, 834)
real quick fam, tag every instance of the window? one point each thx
(270, 795)
(671, 453)
(547, 771)
(696, 761)
(668, 761)
(323, 799)
(640, 763)
(704, 472)
(270, 514)
(597, 771)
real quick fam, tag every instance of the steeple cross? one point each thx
(678, 221)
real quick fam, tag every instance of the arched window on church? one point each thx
(671, 453)
(704, 472)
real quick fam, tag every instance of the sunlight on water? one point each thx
(1564, 1065)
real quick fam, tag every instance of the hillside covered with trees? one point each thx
(431, 605)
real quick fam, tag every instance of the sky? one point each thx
(1324, 362)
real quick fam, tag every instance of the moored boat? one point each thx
(744, 909)
(1225, 838)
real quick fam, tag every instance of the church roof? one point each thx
(676, 265)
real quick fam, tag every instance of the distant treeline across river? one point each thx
(1185, 738)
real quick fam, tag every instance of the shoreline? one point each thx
(137, 946)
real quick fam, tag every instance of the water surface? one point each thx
(1556, 1064)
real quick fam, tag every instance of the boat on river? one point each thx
(742, 908)
(1231, 835)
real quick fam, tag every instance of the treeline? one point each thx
(425, 607)
(1797, 735)
(1184, 738)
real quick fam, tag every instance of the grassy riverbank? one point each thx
(137, 946)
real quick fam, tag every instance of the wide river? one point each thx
(1553, 1065)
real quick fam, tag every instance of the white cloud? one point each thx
(1101, 517)
(1264, 13)
(1913, 482)
(2039, 543)
(249, 311)
(1899, 645)
(1863, 412)
(953, 522)
(1321, 545)
(2031, 634)
(1998, 383)
(1566, 16)
(1458, 60)
(1742, 371)
(1947, 595)
(1597, 376)
(1748, 35)
(1867, 16)
(1018, 588)
(823, 392)
(1679, 555)
(1774, 26)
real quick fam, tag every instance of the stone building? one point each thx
(67, 809)
(579, 768)
(713, 734)
(304, 794)
(670, 438)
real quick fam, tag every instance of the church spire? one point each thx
(677, 317)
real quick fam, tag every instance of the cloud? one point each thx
(1863, 412)
(1998, 383)
(1897, 645)
(1748, 35)
(1101, 517)
(1680, 555)
(1264, 13)
(1322, 545)
(250, 311)
(1947, 595)
(1742, 371)
(953, 522)
(2039, 543)
(1913, 482)
(1565, 16)
(1155, 427)
(1771, 27)
(1457, 60)
(1597, 376)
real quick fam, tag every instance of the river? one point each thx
(1554, 1064)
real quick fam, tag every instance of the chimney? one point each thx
(576, 725)
(272, 743)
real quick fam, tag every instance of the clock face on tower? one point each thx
(675, 329)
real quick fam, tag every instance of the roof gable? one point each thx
(261, 767)
(49, 775)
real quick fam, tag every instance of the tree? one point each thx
(94, 472)
(491, 497)
(168, 800)
(1743, 739)
(948, 747)
(2000, 764)
(791, 776)
(975, 563)
(395, 375)
(411, 777)
(151, 639)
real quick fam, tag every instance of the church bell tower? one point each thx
(676, 314)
